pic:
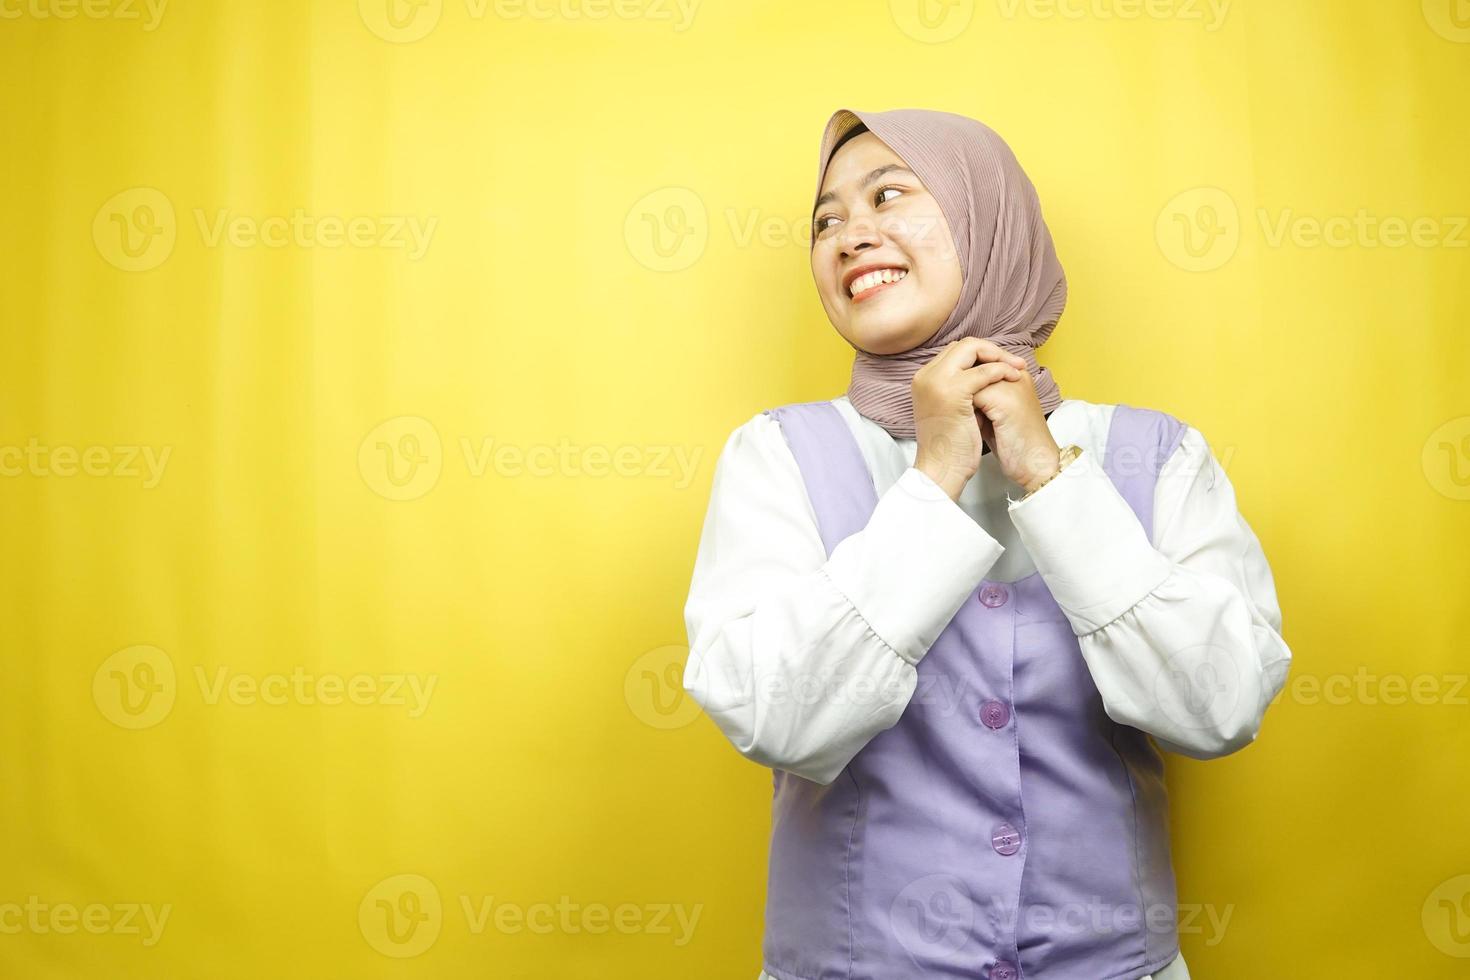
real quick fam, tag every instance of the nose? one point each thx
(859, 233)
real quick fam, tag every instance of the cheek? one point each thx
(928, 243)
(940, 280)
(823, 274)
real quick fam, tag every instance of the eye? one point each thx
(820, 225)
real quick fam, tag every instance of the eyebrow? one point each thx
(871, 176)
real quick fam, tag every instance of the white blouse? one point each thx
(801, 658)
(1176, 970)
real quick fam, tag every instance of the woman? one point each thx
(959, 615)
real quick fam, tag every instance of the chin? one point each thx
(884, 346)
(890, 340)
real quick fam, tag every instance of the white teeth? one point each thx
(872, 279)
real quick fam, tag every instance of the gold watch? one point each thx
(1068, 454)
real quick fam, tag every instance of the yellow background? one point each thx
(554, 761)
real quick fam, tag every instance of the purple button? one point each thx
(1004, 970)
(995, 714)
(1005, 839)
(994, 595)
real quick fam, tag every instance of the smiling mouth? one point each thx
(875, 282)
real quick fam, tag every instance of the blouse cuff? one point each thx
(914, 564)
(1088, 544)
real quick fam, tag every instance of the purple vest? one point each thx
(1005, 827)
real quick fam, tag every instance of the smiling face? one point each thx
(883, 258)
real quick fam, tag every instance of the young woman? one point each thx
(960, 615)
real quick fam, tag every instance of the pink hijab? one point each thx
(1013, 286)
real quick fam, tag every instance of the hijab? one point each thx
(1013, 288)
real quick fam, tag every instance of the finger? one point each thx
(967, 351)
(987, 429)
(972, 379)
(970, 350)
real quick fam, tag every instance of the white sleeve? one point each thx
(800, 659)
(1182, 636)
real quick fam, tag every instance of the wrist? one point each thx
(1042, 459)
(1064, 457)
(947, 478)
(1039, 479)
